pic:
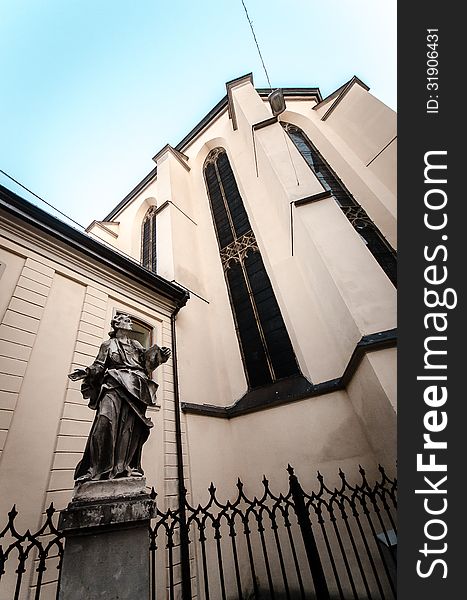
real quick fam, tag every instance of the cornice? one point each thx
(182, 158)
(230, 86)
(295, 388)
(340, 93)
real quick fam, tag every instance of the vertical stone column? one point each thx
(107, 541)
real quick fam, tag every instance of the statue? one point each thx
(119, 387)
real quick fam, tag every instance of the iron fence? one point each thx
(328, 544)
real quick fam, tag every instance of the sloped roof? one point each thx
(311, 92)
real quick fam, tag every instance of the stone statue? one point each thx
(119, 387)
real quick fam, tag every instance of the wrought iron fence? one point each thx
(332, 543)
(34, 550)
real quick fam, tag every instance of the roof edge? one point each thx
(210, 116)
(340, 93)
(138, 188)
(36, 217)
(229, 86)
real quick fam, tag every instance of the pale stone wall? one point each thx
(324, 433)
(55, 313)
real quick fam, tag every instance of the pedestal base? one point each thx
(107, 542)
(107, 565)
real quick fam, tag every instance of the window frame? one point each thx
(149, 262)
(375, 242)
(275, 343)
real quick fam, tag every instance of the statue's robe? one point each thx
(119, 389)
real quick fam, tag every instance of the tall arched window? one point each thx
(148, 240)
(264, 342)
(373, 238)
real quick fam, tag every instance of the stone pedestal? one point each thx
(107, 541)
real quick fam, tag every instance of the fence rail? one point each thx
(328, 544)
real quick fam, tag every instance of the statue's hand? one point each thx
(165, 354)
(78, 374)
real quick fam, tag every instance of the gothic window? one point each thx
(361, 222)
(148, 240)
(265, 345)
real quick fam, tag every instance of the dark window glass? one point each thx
(219, 211)
(234, 201)
(269, 315)
(373, 238)
(265, 345)
(253, 351)
(148, 240)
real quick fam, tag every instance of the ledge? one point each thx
(104, 513)
(265, 123)
(101, 224)
(248, 78)
(295, 388)
(182, 158)
(313, 198)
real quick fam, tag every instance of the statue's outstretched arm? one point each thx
(92, 376)
(155, 356)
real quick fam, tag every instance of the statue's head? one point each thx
(120, 321)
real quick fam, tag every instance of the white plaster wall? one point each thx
(324, 433)
(372, 392)
(379, 201)
(9, 277)
(58, 312)
(363, 122)
(365, 289)
(130, 220)
(384, 165)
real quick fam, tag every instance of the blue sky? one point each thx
(92, 89)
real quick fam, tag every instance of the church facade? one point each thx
(283, 231)
(262, 250)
